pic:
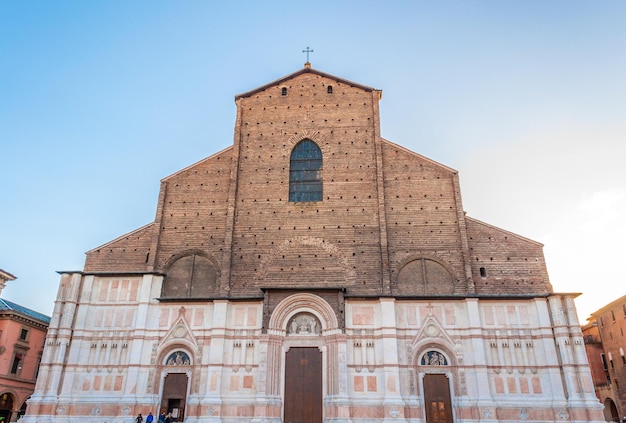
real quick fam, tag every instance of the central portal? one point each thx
(303, 386)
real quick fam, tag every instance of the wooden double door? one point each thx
(303, 386)
(303, 390)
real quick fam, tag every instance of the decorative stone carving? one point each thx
(431, 330)
(434, 358)
(303, 324)
(179, 331)
(178, 358)
(523, 414)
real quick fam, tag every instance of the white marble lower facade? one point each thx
(111, 346)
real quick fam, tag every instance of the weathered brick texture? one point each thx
(384, 208)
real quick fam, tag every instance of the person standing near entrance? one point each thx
(149, 417)
(139, 418)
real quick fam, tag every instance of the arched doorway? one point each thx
(610, 411)
(304, 322)
(175, 385)
(436, 384)
(6, 406)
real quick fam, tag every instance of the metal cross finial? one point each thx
(307, 51)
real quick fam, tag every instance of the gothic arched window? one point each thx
(305, 172)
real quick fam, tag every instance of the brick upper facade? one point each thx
(391, 222)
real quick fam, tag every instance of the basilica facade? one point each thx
(313, 272)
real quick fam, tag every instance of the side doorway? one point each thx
(174, 396)
(437, 400)
(303, 386)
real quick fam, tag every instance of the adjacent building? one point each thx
(605, 343)
(314, 272)
(22, 336)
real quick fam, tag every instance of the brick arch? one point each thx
(13, 394)
(174, 257)
(190, 274)
(270, 261)
(298, 303)
(14, 398)
(439, 278)
(314, 136)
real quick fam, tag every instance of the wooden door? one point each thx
(175, 395)
(437, 399)
(303, 386)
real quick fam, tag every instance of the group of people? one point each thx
(163, 418)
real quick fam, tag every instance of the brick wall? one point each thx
(383, 207)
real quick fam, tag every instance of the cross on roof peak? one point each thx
(307, 51)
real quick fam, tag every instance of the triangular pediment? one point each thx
(432, 331)
(180, 332)
(303, 71)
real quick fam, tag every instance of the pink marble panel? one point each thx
(523, 385)
(358, 384)
(251, 316)
(371, 384)
(488, 311)
(499, 385)
(234, 383)
(363, 316)
(510, 381)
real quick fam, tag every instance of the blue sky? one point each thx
(100, 100)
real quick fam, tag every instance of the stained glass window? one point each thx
(305, 172)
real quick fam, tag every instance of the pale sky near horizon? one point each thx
(99, 101)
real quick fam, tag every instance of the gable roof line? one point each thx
(196, 163)
(406, 150)
(127, 234)
(301, 72)
(480, 222)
